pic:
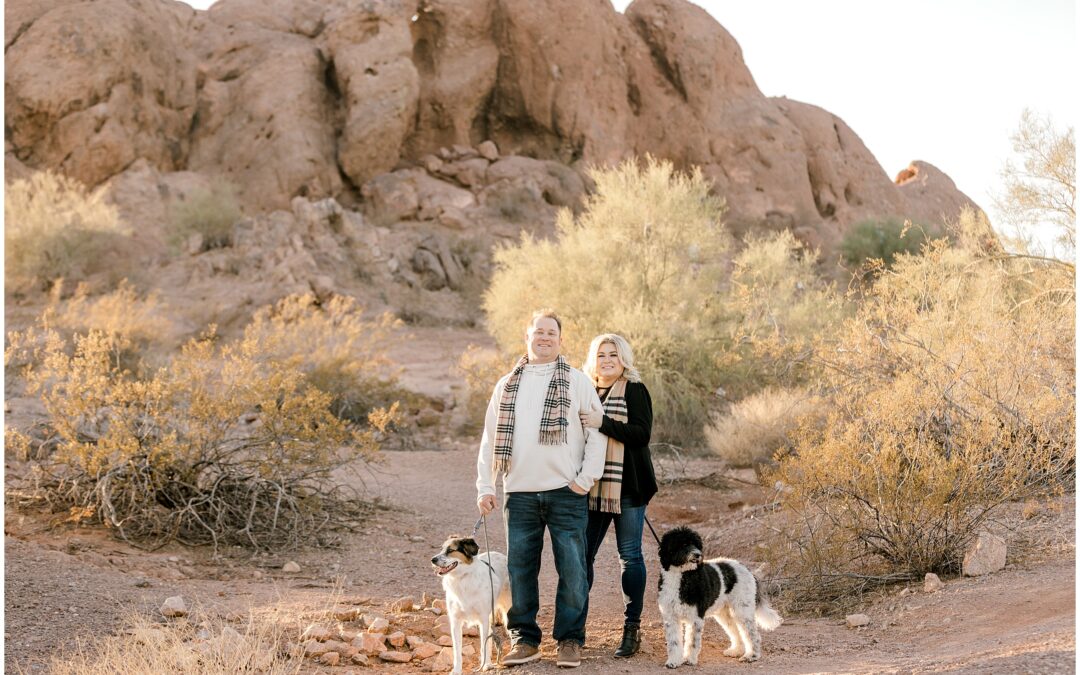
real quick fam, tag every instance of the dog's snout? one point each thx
(694, 556)
(434, 560)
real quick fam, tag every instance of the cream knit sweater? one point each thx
(535, 467)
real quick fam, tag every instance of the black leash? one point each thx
(652, 530)
(491, 584)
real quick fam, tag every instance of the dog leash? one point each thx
(482, 520)
(652, 530)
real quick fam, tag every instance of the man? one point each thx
(534, 438)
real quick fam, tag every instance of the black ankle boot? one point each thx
(631, 641)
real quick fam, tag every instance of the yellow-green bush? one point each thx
(54, 228)
(225, 444)
(779, 308)
(644, 260)
(210, 214)
(649, 258)
(952, 392)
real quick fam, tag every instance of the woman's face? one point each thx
(608, 366)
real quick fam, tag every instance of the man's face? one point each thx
(543, 340)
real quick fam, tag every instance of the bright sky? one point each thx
(943, 81)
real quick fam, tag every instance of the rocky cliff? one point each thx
(495, 107)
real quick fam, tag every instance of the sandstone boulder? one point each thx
(932, 583)
(371, 47)
(857, 620)
(932, 197)
(984, 555)
(93, 86)
(264, 119)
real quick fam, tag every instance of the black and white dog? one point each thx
(470, 580)
(692, 590)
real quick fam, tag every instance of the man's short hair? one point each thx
(546, 313)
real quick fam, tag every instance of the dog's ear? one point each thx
(469, 547)
(664, 550)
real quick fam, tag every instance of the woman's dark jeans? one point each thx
(564, 513)
(628, 529)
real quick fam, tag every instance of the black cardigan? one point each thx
(639, 479)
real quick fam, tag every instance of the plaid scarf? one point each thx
(606, 493)
(553, 423)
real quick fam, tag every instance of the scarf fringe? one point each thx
(502, 465)
(605, 504)
(553, 436)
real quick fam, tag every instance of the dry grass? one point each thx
(758, 426)
(189, 647)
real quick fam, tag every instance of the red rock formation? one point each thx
(293, 98)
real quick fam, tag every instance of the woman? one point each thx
(629, 481)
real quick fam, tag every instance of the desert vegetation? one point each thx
(649, 258)
(54, 228)
(896, 420)
(204, 220)
(227, 443)
(949, 394)
(881, 241)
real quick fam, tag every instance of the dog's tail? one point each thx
(765, 615)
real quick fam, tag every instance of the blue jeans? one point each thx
(564, 513)
(628, 530)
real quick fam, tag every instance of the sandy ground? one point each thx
(63, 586)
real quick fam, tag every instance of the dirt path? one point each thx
(62, 586)
(82, 585)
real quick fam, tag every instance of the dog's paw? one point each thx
(672, 664)
(733, 651)
(749, 658)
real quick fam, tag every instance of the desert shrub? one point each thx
(480, 369)
(779, 310)
(123, 311)
(952, 393)
(130, 324)
(208, 213)
(54, 228)
(644, 260)
(226, 444)
(338, 350)
(881, 240)
(758, 426)
(205, 645)
(649, 258)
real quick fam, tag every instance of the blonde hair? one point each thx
(622, 349)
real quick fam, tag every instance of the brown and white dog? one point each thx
(471, 579)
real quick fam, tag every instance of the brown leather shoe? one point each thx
(569, 655)
(521, 653)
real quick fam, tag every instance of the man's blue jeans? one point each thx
(628, 528)
(564, 513)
